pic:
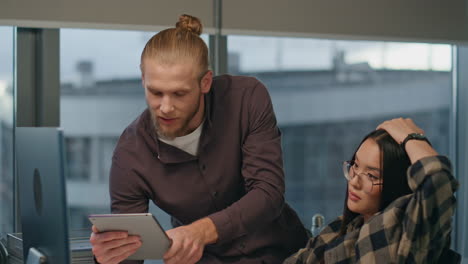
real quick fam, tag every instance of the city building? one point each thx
(320, 114)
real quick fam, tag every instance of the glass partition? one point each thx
(101, 94)
(328, 94)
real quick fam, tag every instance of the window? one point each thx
(327, 95)
(6, 131)
(78, 158)
(101, 95)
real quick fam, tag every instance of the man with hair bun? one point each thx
(207, 151)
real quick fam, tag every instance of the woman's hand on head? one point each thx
(400, 128)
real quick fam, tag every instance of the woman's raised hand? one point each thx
(399, 129)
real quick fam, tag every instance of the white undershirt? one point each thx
(187, 143)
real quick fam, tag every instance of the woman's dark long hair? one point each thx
(393, 163)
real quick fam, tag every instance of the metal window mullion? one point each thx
(453, 131)
(461, 165)
(16, 209)
(218, 42)
(25, 77)
(38, 80)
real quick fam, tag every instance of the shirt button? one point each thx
(215, 193)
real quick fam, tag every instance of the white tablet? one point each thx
(155, 242)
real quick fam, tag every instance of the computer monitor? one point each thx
(42, 194)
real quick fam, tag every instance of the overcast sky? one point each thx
(116, 54)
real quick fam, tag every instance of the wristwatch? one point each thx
(416, 136)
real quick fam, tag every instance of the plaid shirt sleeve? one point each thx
(428, 215)
(415, 228)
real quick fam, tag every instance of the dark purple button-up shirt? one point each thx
(237, 179)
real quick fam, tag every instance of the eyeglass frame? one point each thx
(347, 166)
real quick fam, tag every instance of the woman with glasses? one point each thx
(398, 207)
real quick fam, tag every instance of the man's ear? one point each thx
(206, 81)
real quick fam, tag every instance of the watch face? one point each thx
(418, 136)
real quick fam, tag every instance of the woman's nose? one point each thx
(355, 182)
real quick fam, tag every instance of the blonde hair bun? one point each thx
(190, 23)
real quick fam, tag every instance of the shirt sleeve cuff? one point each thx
(424, 167)
(224, 227)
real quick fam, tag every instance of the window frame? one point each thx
(41, 48)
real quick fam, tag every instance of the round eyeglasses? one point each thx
(366, 179)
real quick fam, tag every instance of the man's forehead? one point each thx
(181, 66)
(176, 71)
(168, 79)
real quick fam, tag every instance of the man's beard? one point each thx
(182, 131)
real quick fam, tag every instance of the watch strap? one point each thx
(415, 136)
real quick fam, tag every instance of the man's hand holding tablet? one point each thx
(113, 247)
(117, 237)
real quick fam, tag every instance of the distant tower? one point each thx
(86, 74)
(339, 60)
(339, 66)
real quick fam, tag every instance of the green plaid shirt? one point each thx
(415, 228)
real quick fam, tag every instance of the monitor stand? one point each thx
(35, 257)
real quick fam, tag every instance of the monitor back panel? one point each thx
(42, 193)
